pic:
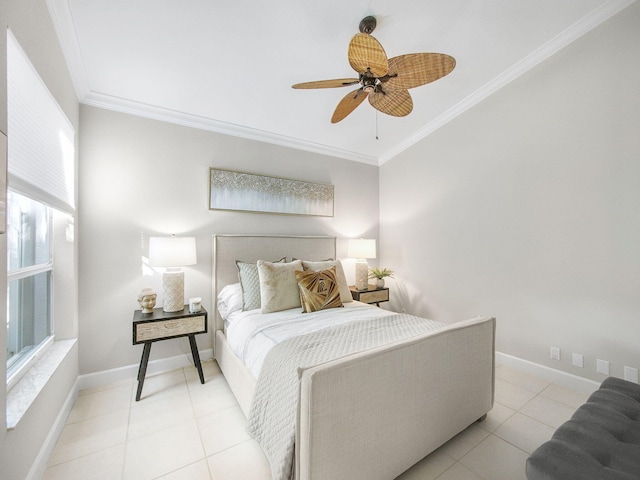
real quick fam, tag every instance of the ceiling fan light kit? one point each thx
(384, 81)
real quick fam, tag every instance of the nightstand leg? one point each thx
(196, 356)
(142, 371)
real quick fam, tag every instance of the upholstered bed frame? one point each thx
(371, 415)
(251, 248)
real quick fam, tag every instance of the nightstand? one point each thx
(160, 325)
(372, 295)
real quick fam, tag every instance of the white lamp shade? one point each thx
(172, 251)
(361, 248)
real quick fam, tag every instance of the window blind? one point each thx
(41, 149)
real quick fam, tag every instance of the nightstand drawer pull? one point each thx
(169, 328)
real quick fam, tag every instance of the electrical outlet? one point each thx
(555, 353)
(631, 374)
(577, 360)
(602, 366)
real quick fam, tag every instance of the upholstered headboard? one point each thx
(251, 248)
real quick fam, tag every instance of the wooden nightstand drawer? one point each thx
(169, 328)
(375, 296)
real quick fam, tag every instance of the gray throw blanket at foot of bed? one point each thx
(272, 421)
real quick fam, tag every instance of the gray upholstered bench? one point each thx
(601, 441)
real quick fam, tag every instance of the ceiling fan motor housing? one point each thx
(368, 82)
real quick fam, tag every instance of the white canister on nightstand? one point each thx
(195, 304)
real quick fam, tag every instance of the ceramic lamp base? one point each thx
(362, 275)
(173, 291)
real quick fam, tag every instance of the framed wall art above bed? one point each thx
(248, 192)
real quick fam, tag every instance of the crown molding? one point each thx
(62, 18)
(65, 29)
(556, 44)
(153, 112)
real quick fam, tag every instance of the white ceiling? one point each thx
(228, 65)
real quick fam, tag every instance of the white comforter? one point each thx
(273, 417)
(251, 334)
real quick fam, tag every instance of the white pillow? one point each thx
(230, 300)
(278, 285)
(345, 293)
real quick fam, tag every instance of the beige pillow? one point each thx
(318, 290)
(345, 293)
(278, 285)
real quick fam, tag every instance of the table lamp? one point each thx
(361, 249)
(172, 253)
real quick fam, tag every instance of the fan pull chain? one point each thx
(376, 125)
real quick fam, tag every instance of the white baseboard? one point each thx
(40, 464)
(568, 380)
(98, 379)
(106, 377)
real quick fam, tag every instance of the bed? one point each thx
(370, 413)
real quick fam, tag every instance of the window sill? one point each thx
(22, 394)
(32, 358)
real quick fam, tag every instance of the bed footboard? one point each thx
(373, 415)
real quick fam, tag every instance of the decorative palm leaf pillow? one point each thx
(318, 290)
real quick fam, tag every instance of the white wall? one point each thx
(527, 208)
(30, 22)
(141, 178)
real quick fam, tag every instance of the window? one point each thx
(29, 279)
(41, 165)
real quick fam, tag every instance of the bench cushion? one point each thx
(601, 441)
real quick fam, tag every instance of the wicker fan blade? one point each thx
(348, 104)
(415, 69)
(365, 52)
(338, 82)
(394, 102)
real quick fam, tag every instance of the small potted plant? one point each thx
(379, 275)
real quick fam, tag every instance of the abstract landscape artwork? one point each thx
(230, 190)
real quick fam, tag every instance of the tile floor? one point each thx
(182, 429)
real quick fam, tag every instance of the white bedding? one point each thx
(251, 334)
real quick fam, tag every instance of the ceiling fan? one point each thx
(384, 81)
